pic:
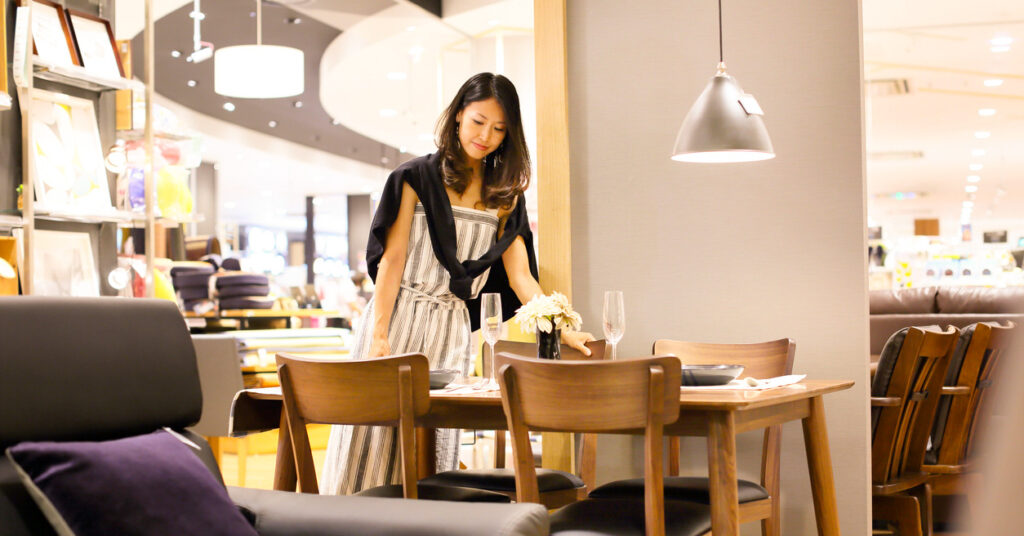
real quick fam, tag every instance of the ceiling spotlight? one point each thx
(175, 53)
(191, 83)
(297, 104)
(335, 122)
(1000, 41)
(272, 124)
(974, 178)
(977, 152)
(1000, 49)
(229, 106)
(294, 20)
(993, 82)
(970, 188)
(976, 167)
(981, 134)
(410, 28)
(986, 112)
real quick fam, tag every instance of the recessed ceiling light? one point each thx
(191, 83)
(272, 124)
(974, 178)
(1000, 49)
(986, 112)
(297, 104)
(388, 112)
(317, 201)
(397, 75)
(410, 28)
(294, 20)
(335, 122)
(981, 134)
(977, 152)
(1000, 40)
(993, 82)
(175, 53)
(402, 149)
(229, 106)
(970, 188)
(976, 167)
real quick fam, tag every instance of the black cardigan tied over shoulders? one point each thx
(423, 174)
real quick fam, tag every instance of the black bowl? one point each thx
(697, 375)
(440, 378)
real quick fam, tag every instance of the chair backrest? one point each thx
(905, 393)
(759, 360)
(588, 396)
(978, 352)
(387, 391)
(568, 352)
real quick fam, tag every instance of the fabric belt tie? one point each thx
(444, 302)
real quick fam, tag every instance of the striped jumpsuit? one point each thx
(428, 319)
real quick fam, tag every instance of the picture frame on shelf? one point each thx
(52, 41)
(95, 44)
(69, 173)
(66, 265)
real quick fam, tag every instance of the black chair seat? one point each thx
(677, 488)
(430, 492)
(625, 517)
(504, 479)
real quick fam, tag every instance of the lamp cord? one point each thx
(721, 55)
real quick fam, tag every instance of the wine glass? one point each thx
(490, 326)
(614, 318)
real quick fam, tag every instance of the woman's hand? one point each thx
(577, 340)
(379, 346)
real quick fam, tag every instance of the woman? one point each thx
(443, 222)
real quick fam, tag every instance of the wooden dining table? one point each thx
(717, 415)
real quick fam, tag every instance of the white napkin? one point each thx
(742, 385)
(470, 388)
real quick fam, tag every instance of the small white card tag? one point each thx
(750, 105)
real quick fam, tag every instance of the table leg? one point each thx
(426, 458)
(284, 465)
(819, 464)
(725, 507)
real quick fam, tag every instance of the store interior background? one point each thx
(380, 71)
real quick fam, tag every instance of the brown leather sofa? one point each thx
(892, 310)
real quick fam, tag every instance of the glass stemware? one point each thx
(490, 327)
(614, 318)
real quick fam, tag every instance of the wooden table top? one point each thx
(263, 313)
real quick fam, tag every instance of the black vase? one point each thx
(549, 344)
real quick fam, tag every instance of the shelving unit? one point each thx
(79, 77)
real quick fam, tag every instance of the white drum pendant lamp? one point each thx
(725, 124)
(258, 71)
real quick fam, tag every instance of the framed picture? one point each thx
(69, 172)
(95, 44)
(51, 33)
(66, 266)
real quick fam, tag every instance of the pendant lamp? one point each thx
(258, 71)
(724, 125)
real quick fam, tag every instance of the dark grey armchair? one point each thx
(93, 369)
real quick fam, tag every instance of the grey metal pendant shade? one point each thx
(725, 124)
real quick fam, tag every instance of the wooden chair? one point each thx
(757, 501)
(558, 488)
(599, 397)
(960, 412)
(904, 396)
(388, 391)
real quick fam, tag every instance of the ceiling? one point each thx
(926, 64)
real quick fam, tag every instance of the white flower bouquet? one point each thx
(547, 313)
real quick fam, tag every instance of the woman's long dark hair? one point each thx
(506, 171)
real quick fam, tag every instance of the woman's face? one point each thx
(481, 128)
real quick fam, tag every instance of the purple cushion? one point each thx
(143, 485)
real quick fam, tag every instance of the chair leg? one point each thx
(499, 449)
(923, 493)
(216, 447)
(902, 510)
(243, 453)
(673, 456)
